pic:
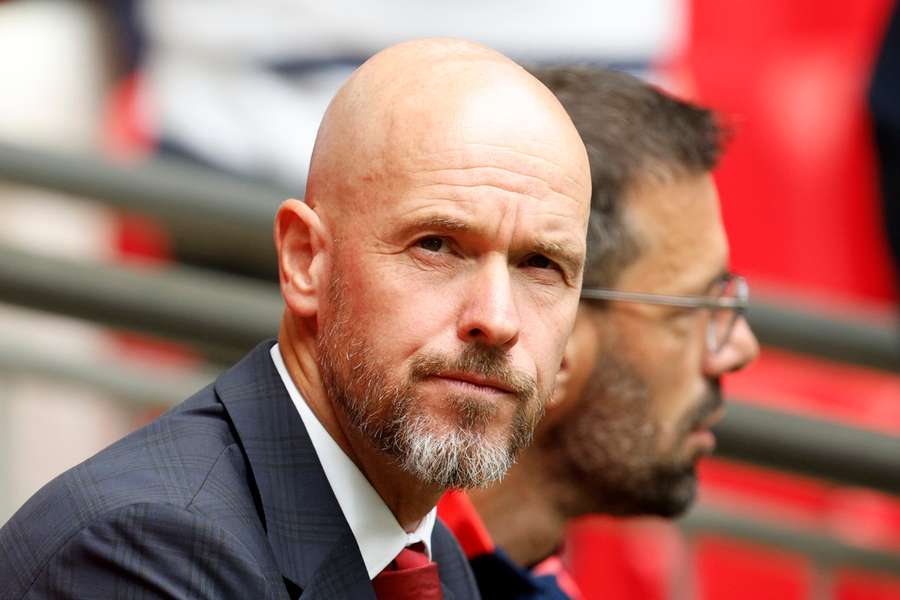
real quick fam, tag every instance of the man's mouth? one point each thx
(480, 382)
(707, 422)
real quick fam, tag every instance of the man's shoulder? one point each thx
(167, 461)
(152, 549)
(161, 472)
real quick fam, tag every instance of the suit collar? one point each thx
(307, 531)
(378, 534)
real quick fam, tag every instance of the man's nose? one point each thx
(490, 315)
(738, 352)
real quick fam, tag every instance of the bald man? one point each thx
(430, 281)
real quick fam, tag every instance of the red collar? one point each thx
(459, 514)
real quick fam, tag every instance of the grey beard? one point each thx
(455, 455)
(461, 458)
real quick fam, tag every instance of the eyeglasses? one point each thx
(727, 302)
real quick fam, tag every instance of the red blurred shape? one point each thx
(620, 560)
(459, 514)
(142, 239)
(852, 585)
(847, 393)
(798, 182)
(126, 130)
(739, 571)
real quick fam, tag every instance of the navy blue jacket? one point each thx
(222, 497)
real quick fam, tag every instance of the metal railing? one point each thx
(825, 550)
(868, 340)
(222, 315)
(208, 215)
(138, 385)
(809, 446)
(215, 215)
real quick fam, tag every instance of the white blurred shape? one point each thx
(66, 424)
(216, 86)
(52, 72)
(55, 225)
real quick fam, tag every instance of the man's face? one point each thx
(643, 416)
(454, 290)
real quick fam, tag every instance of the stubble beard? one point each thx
(613, 446)
(393, 417)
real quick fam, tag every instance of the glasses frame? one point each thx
(737, 303)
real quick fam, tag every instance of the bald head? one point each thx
(421, 98)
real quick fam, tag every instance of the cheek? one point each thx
(661, 362)
(675, 392)
(398, 314)
(676, 357)
(671, 382)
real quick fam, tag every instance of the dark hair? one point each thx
(633, 133)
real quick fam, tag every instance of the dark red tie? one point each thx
(411, 576)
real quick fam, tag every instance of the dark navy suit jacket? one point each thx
(222, 497)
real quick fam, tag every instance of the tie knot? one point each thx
(411, 557)
(410, 576)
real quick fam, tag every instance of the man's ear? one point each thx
(564, 376)
(578, 362)
(301, 241)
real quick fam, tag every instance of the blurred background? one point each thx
(145, 144)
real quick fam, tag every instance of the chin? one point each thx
(665, 492)
(676, 491)
(675, 507)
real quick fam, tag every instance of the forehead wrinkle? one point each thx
(554, 174)
(503, 178)
(457, 191)
(560, 168)
(472, 200)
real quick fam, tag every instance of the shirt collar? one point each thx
(378, 534)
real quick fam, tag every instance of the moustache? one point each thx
(477, 359)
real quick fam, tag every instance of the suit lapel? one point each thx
(453, 567)
(339, 575)
(307, 531)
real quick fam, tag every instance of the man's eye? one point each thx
(539, 261)
(432, 243)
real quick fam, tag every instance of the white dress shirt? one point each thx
(378, 534)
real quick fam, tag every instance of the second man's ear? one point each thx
(563, 377)
(301, 241)
(577, 366)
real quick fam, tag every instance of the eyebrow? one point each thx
(438, 222)
(562, 253)
(570, 261)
